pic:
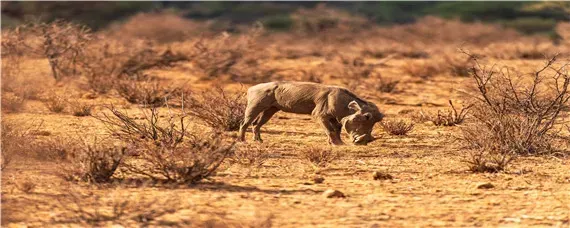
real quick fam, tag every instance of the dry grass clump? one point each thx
(80, 108)
(94, 163)
(166, 149)
(55, 102)
(514, 114)
(399, 127)
(12, 103)
(250, 155)
(319, 156)
(218, 109)
(452, 117)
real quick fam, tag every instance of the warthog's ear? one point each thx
(354, 106)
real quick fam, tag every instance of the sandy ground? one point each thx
(431, 185)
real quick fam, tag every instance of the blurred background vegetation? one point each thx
(526, 17)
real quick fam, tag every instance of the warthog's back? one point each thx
(295, 97)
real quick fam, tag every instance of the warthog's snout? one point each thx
(362, 139)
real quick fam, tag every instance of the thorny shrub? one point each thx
(94, 163)
(166, 148)
(514, 113)
(217, 108)
(61, 43)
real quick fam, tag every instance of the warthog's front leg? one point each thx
(330, 130)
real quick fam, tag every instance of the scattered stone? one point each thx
(381, 176)
(318, 179)
(485, 186)
(331, 193)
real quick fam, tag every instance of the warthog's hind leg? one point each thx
(251, 112)
(265, 116)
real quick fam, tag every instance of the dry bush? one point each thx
(107, 60)
(158, 26)
(167, 149)
(227, 54)
(94, 163)
(399, 127)
(102, 62)
(250, 155)
(59, 42)
(55, 102)
(514, 113)
(147, 92)
(319, 156)
(218, 109)
(80, 108)
(12, 103)
(452, 117)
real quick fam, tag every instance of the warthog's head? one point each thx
(359, 125)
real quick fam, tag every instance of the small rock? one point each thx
(318, 179)
(485, 186)
(331, 193)
(381, 176)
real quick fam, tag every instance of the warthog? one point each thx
(333, 107)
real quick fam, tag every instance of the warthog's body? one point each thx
(333, 107)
